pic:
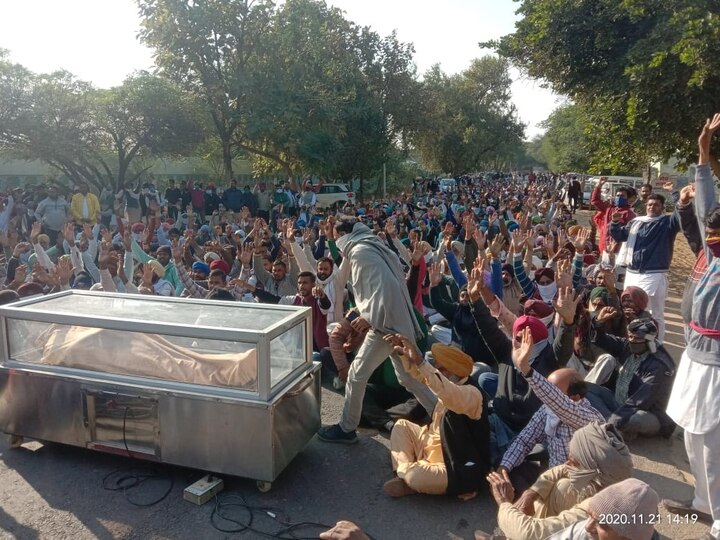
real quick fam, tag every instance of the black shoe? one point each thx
(335, 434)
(686, 508)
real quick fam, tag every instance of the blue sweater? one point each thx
(653, 249)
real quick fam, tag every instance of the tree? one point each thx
(564, 146)
(645, 72)
(210, 48)
(468, 121)
(93, 135)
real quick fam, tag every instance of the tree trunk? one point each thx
(227, 161)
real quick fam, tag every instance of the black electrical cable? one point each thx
(129, 478)
(250, 514)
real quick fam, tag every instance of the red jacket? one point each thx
(603, 217)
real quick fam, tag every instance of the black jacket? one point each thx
(466, 449)
(649, 388)
(478, 334)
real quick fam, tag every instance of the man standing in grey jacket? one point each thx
(53, 213)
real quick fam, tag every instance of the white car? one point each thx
(330, 194)
(447, 184)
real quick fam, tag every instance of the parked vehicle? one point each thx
(447, 184)
(610, 185)
(330, 194)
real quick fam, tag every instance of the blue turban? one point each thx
(198, 266)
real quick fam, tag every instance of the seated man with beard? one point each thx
(451, 454)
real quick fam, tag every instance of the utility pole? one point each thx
(384, 182)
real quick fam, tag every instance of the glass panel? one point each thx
(134, 308)
(181, 359)
(287, 352)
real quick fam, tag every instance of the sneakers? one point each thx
(338, 383)
(335, 434)
(686, 507)
(397, 488)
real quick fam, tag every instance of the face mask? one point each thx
(548, 292)
(638, 348)
(714, 246)
(484, 229)
(208, 191)
(620, 201)
(547, 321)
(137, 237)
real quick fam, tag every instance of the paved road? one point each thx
(55, 492)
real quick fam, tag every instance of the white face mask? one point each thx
(548, 292)
(547, 321)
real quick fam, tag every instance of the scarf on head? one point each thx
(602, 458)
(378, 264)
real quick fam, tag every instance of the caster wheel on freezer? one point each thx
(264, 487)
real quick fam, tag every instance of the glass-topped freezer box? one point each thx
(221, 386)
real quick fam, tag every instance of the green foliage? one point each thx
(645, 72)
(468, 120)
(93, 135)
(564, 147)
(210, 48)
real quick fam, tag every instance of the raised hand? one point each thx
(103, 255)
(580, 240)
(318, 292)
(609, 275)
(147, 275)
(496, 245)
(518, 240)
(709, 129)
(64, 269)
(479, 238)
(435, 274)
(687, 193)
(521, 354)
(35, 232)
(405, 347)
(606, 314)
(69, 233)
(563, 275)
(177, 251)
(566, 304)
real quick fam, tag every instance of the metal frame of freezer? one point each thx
(214, 428)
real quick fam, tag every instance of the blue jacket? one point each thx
(653, 249)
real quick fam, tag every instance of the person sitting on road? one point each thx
(565, 409)
(624, 511)
(451, 454)
(308, 295)
(598, 458)
(645, 374)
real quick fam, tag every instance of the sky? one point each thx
(97, 39)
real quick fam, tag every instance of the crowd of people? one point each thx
(507, 348)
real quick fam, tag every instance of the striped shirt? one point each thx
(559, 409)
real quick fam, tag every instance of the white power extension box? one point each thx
(203, 490)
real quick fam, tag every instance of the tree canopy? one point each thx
(645, 72)
(93, 135)
(468, 119)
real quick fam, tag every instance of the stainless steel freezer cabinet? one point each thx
(226, 387)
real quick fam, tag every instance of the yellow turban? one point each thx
(453, 359)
